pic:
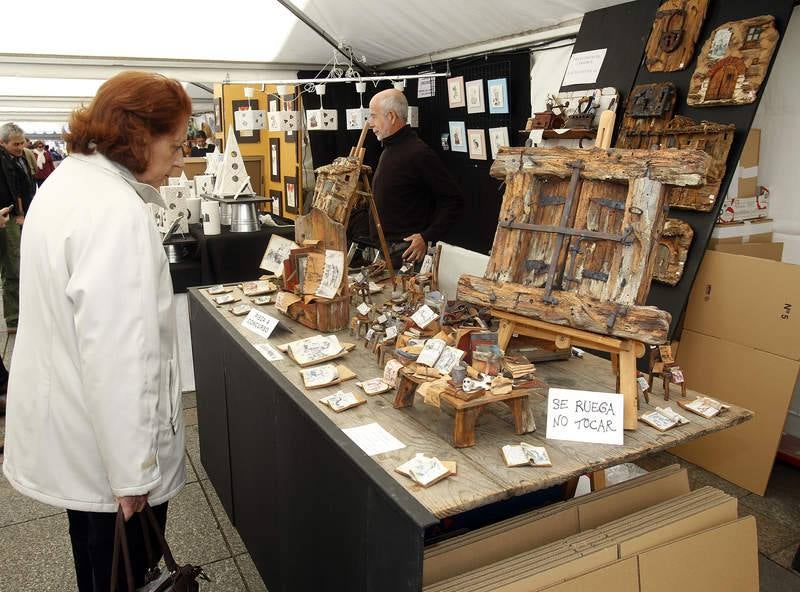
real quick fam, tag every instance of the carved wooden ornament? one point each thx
(675, 31)
(733, 63)
(577, 237)
(673, 249)
(683, 132)
(649, 108)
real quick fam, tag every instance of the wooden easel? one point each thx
(364, 189)
(623, 352)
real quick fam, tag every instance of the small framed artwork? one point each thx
(275, 160)
(498, 95)
(289, 118)
(290, 190)
(498, 136)
(455, 92)
(413, 116)
(275, 197)
(446, 142)
(477, 144)
(249, 137)
(458, 136)
(475, 101)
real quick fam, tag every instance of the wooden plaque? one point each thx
(733, 63)
(675, 31)
(673, 248)
(649, 109)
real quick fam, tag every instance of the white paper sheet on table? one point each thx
(269, 352)
(373, 439)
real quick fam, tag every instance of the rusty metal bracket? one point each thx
(619, 311)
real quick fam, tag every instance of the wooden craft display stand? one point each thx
(623, 352)
(340, 187)
(466, 412)
(662, 368)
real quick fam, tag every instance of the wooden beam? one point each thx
(671, 167)
(640, 323)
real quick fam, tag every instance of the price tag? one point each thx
(382, 319)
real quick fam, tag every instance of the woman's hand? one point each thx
(131, 504)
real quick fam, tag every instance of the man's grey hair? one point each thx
(10, 129)
(397, 104)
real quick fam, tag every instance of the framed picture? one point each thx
(275, 160)
(498, 136)
(252, 136)
(477, 144)
(218, 113)
(290, 190)
(413, 116)
(276, 198)
(458, 136)
(475, 101)
(498, 95)
(446, 142)
(455, 92)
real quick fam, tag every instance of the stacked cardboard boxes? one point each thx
(650, 533)
(740, 345)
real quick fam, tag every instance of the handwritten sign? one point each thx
(584, 67)
(584, 416)
(260, 323)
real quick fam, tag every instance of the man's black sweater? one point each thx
(413, 191)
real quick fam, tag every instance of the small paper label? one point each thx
(382, 319)
(370, 334)
(269, 352)
(391, 332)
(424, 316)
(643, 384)
(363, 309)
(260, 323)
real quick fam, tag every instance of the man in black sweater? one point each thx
(417, 199)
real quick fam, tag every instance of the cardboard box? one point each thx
(750, 231)
(721, 558)
(760, 381)
(744, 182)
(749, 301)
(771, 251)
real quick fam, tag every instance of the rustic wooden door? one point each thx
(723, 80)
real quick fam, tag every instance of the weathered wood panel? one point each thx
(549, 211)
(641, 323)
(685, 133)
(335, 190)
(733, 63)
(672, 167)
(649, 108)
(676, 29)
(317, 225)
(673, 248)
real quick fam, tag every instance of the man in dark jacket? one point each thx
(416, 197)
(17, 187)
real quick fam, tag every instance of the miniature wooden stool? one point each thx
(466, 412)
(662, 363)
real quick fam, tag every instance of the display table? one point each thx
(317, 513)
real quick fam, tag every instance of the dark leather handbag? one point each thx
(174, 578)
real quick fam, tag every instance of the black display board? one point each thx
(674, 298)
(624, 30)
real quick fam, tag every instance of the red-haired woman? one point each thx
(94, 419)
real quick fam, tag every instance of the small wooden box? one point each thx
(323, 314)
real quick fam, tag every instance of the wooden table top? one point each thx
(482, 476)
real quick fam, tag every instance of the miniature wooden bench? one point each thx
(466, 412)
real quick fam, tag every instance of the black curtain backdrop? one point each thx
(482, 194)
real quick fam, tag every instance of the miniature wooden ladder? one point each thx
(623, 352)
(365, 189)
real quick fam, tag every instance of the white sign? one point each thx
(584, 67)
(584, 416)
(373, 439)
(260, 323)
(332, 274)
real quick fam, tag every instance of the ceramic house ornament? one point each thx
(232, 178)
(175, 199)
(733, 63)
(204, 185)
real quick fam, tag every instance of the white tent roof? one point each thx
(207, 41)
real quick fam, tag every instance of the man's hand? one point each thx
(131, 504)
(5, 216)
(416, 251)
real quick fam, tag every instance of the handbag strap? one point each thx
(148, 543)
(121, 548)
(169, 560)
